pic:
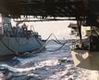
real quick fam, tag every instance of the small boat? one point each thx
(18, 39)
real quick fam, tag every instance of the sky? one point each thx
(59, 28)
(45, 28)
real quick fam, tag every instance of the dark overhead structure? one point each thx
(55, 8)
(86, 10)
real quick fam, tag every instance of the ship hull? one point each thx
(14, 45)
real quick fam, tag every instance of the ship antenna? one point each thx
(32, 28)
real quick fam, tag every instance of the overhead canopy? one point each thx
(55, 8)
(88, 9)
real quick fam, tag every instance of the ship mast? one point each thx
(79, 30)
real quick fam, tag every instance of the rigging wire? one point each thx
(46, 43)
(42, 47)
(12, 50)
(56, 40)
(58, 48)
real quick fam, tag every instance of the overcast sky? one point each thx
(45, 28)
(59, 28)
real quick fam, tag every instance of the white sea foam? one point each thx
(51, 66)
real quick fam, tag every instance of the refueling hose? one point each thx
(42, 47)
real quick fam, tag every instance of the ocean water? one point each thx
(54, 63)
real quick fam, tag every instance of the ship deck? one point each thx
(86, 59)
